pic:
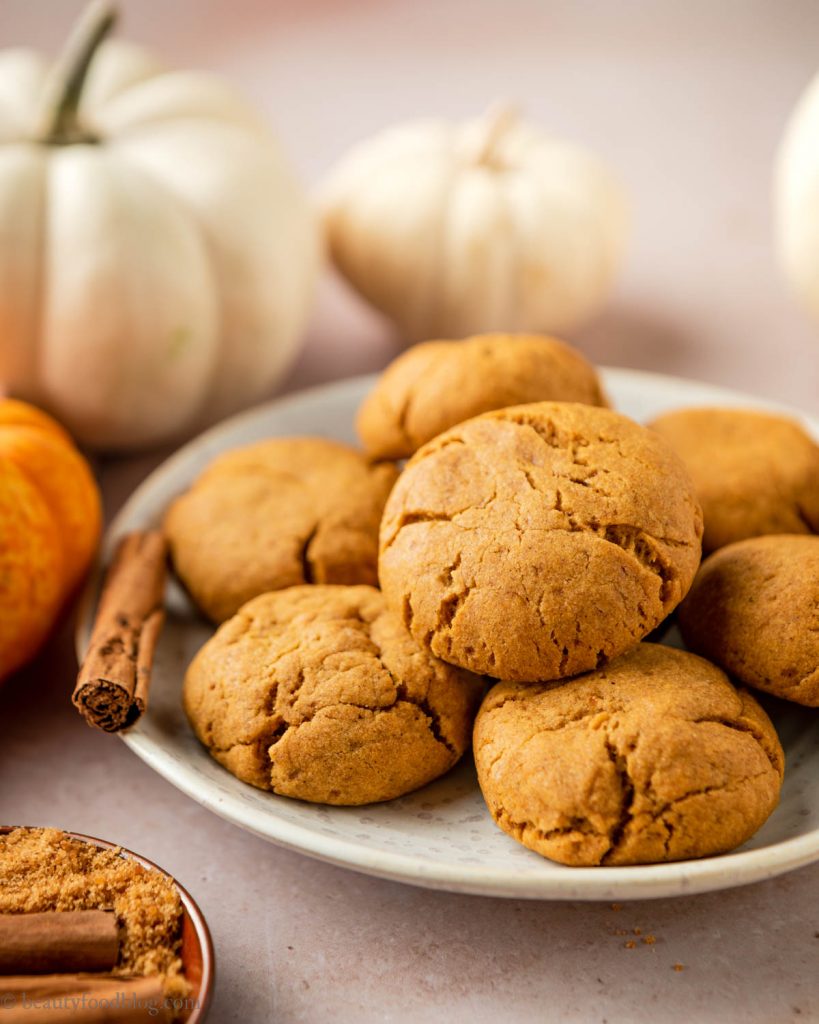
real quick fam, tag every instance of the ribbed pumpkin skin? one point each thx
(50, 521)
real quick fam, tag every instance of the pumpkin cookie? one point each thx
(319, 693)
(656, 757)
(537, 542)
(755, 473)
(437, 384)
(275, 514)
(754, 610)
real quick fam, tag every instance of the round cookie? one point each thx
(434, 385)
(755, 473)
(319, 693)
(275, 514)
(656, 757)
(539, 541)
(754, 610)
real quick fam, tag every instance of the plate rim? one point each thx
(652, 881)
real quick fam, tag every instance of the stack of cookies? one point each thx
(536, 537)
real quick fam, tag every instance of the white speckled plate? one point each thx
(441, 836)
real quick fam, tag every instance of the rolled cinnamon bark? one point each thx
(44, 986)
(113, 681)
(104, 1000)
(77, 940)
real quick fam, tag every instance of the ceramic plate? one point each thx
(441, 836)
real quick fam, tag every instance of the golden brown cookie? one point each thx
(655, 757)
(755, 473)
(319, 693)
(538, 541)
(437, 384)
(275, 514)
(754, 610)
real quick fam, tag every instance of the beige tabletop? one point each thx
(687, 102)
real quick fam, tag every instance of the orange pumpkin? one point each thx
(50, 520)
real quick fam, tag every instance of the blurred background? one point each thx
(685, 101)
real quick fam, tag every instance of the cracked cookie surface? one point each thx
(434, 385)
(755, 473)
(536, 542)
(276, 514)
(656, 757)
(319, 693)
(754, 610)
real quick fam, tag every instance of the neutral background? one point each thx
(687, 101)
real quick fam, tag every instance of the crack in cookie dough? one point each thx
(627, 796)
(502, 558)
(654, 757)
(674, 804)
(641, 545)
(528, 834)
(276, 514)
(318, 692)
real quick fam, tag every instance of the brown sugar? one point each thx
(45, 869)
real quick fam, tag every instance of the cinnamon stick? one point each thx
(76, 940)
(114, 678)
(102, 1000)
(44, 986)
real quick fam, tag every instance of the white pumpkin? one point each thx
(796, 195)
(157, 258)
(453, 230)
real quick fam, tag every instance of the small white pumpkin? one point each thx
(157, 258)
(491, 225)
(796, 198)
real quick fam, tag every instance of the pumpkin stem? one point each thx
(497, 121)
(60, 124)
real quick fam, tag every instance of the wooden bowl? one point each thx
(198, 959)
